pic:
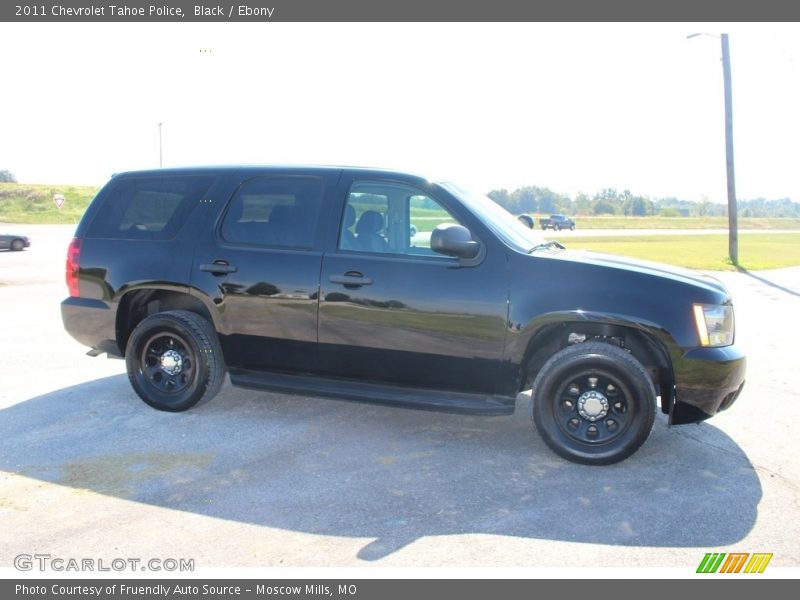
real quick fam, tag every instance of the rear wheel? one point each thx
(593, 403)
(174, 360)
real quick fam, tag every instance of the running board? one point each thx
(374, 393)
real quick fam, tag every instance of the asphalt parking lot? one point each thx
(254, 479)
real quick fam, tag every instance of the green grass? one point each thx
(620, 222)
(710, 252)
(33, 203)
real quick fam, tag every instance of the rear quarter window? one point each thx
(149, 208)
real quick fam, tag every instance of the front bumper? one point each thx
(707, 380)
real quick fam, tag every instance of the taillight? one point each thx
(73, 265)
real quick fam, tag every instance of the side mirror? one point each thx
(454, 240)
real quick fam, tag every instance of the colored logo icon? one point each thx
(734, 562)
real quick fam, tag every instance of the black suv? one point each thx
(312, 280)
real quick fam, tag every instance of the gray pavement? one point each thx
(255, 479)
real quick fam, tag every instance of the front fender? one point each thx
(546, 334)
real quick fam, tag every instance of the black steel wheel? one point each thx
(593, 403)
(17, 245)
(174, 360)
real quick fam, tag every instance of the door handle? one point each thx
(218, 267)
(351, 279)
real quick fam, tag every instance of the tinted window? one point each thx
(148, 207)
(390, 218)
(274, 211)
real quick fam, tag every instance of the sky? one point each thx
(572, 107)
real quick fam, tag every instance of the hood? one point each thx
(645, 267)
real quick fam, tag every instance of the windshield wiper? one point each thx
(547, 246)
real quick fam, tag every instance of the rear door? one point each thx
(394, 311)
(261, 267)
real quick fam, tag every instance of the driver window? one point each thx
(390, 218)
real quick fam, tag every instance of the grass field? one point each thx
(33, 203)
(620, 222)
(756, 250)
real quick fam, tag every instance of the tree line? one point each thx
(609, 201)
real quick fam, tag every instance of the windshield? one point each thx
(502, 223)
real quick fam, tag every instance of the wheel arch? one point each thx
(644, 341)
(137, 304)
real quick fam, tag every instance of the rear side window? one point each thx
(274, 211)
(148, 208)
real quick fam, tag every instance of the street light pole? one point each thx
(160, 154)
(733, 221)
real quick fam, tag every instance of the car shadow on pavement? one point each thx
(762, 279)
(345, 469)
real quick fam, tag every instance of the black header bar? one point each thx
(397, 10)
(381, 589)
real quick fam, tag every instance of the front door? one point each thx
(394, 311)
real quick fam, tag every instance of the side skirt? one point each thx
(375, 393)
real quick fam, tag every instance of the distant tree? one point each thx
(542, 200)
(501, 197)
(603, 207)
(636, 206)
(7, 177)
(608, 201)
(582, 205)
(548, 204)
(761, 207)
(525, 199)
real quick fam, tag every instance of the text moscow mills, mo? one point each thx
(188, 590)
(163, 10)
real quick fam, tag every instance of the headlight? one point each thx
(714, 324)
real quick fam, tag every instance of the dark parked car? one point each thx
(557, 222)
(527, 220)
(307, 280)
(14, 241)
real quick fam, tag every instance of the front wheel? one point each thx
(17, 245)
(174, 360)
(593, 403)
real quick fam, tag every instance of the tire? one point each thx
(593, 403)
(174, 360)
(17, 245)
(572, 227)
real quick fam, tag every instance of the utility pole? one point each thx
(733, 220)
